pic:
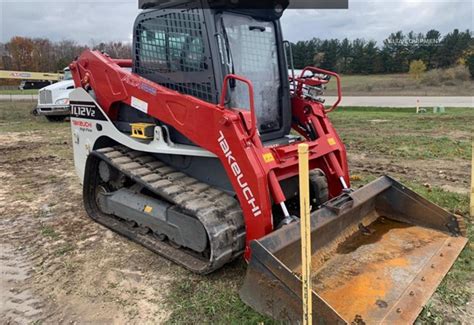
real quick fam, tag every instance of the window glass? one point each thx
(169, 48)
(67, 75)
(153, 49)
(254, 55)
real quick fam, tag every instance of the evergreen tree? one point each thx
(345, 56)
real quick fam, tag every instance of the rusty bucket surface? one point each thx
(378, 254)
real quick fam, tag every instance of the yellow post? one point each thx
(305, 225)
(472, 181)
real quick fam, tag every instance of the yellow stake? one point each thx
(305, 224)
(472, 181)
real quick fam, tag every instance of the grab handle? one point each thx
(253, 127)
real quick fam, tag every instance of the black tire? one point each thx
(56, 118)
(318, 184)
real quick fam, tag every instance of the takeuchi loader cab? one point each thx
(192, 50)
(190, 149)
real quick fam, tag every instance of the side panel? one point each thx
(90, 125)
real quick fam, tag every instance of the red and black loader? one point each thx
(190, 149)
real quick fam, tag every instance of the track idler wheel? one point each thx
(160, 237)
(318, 184)
(131, 223)
(143, 230)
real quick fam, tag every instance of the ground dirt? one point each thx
(450, 175)
(58, 266)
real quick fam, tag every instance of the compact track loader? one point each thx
(187, 149)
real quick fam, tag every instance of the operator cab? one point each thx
(189, 49)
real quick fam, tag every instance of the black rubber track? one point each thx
(219, 212)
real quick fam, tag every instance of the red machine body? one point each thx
(254, 170)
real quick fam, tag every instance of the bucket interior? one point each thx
(378, 254)
(370, 270)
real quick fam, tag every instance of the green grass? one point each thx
(397, 85)
(64, 249)
(400, 133)
(212, 299)
(17, 117)
(48, 231)
(18, 92)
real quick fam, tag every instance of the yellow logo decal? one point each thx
(268, 157)
(148, 209)
(331, 141)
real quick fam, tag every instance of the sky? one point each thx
(93, 21)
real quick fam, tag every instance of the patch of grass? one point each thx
(18, 92)
(430, 315)
(17, 117)
(403, 85)
(48, 231)
(64, 249)
(400, 133)
(407, 146)
(70, 267)
(451, 201)
(212, 299)
(361, 179)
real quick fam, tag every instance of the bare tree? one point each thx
(43, 56)
(66, 51)
(116, 50)
(3, 54)
(21, 52)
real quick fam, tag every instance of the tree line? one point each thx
(344, 56)
(43, 55)
(394, 56)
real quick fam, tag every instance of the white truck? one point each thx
(53, 100)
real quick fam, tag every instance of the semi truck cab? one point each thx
(53, 100)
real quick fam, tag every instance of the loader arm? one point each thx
(254, 170)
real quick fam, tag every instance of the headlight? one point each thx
(62, 101)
